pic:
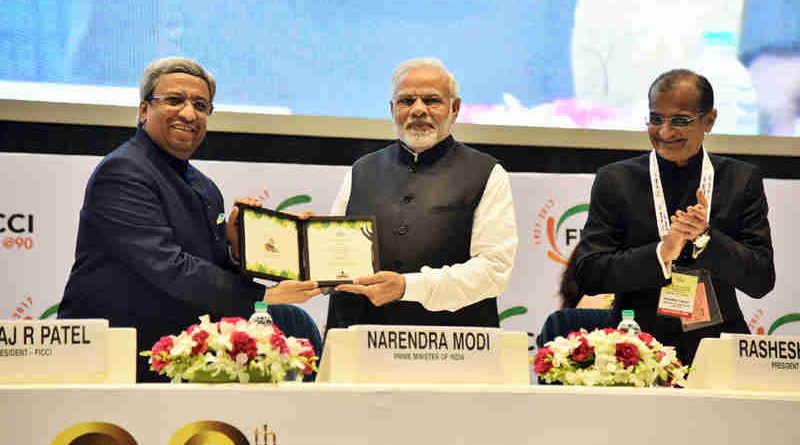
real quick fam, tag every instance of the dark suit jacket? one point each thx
(617, 251)
(151, 250)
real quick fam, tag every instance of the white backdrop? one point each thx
(41, 195)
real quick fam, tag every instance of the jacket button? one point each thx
(408, 198)
(402, 230)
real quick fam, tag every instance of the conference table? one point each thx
(335, 413)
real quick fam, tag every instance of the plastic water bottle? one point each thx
(260, 314)
(628, 324)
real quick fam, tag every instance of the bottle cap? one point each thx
(627, 313)
(261, 305)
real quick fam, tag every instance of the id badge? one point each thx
(678, 298)
(691, 298)
(706, 311)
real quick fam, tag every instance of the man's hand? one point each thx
(232, 225)
(381, 288)
(685, 226)
(694, 221)
(672, 245)
(292, 291)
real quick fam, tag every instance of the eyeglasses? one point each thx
(678, 120)
(176, 102)
(430, 101)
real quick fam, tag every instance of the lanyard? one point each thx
(706, 183)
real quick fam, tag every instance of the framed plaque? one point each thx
(330, 250)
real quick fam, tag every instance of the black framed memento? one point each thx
(330, 250)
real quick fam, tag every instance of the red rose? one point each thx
(627, 354)
(200, 342)
(584, 353)
(191, 328)
(574, 334)
(646, 338)
(307, 348)
(277, 330)
(243, 344)
(278, 341)
(543, 362)
(229, 320)
(609, 331)
(160, 353)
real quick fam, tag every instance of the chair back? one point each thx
(294, 321)
(564, 321)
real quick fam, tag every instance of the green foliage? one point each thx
(250, 215)
(262, 268)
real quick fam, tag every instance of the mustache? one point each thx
(413, 122)
(183, 122)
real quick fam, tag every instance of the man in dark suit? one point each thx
(153, 249)
(677, 207)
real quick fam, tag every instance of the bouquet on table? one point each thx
(231, 350)
(609, 357)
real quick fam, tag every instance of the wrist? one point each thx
(701, 240)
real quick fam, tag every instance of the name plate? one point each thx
(766, 362)
(747, 362)
(52, 350)
(428, 354)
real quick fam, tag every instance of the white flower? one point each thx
(217, 361)
(606, 369)
(182, 345)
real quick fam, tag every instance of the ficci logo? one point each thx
(562, 232)
(16, 231)
(16, 223)
(200, 432)
(758, 320)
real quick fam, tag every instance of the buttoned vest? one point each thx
(424, 205)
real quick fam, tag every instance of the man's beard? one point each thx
(422, 138)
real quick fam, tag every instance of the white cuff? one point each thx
(697, 251)
(665, 269)
(415, 287)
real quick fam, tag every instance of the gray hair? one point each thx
(424, 62)
(170, 65)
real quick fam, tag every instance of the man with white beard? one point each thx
(446, 227)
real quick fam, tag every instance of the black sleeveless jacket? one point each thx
(424, 206)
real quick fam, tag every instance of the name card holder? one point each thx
(66, 351)
(747, 362)
(424, 354)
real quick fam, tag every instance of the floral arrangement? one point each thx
(232, 350)
(609, 357)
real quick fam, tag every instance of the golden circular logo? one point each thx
(208, 432)
(94, 433)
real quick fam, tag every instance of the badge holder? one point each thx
(706, 311)
(691, 298)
